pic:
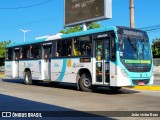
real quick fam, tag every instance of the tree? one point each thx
(3, 46)
(94, 25)
(156, 48)
(71, 30)
(79, 28)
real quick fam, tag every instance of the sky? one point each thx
(46, 17)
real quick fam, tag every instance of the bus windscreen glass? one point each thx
(135, 51)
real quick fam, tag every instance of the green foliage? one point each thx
(156, 48)
(3, 46)
(71, 30)
(94, 25)
(79, 28)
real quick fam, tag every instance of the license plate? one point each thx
(141, 83)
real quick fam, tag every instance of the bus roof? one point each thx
(63, 36)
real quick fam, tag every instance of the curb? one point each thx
(154, 88)
(2, 75)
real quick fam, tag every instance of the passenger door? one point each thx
(102, 54)
(46, 66)
(16, 55)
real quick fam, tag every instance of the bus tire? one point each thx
(85, 83)
(28, 78)
(115, 88)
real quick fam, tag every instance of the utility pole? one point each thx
(132, 14)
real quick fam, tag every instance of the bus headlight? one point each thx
(124, 73)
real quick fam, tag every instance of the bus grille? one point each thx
(146, 69)
(135, 82)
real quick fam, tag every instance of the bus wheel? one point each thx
(115, 88)
(85, 83)
(28, 78)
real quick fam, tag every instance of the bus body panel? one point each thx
(34, 66)
(66, 70)
(122, 79)
(16, 69)
(113, 78)
(9, 69)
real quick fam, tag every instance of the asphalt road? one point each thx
(15, 96)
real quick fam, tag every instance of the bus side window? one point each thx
(26, 52)
(82, 46)
(113, 48)
(35, 51)
(9, 54)
(32, 48)
(64, 48)
(47, 52)
(69, 47)
(76, 50)
(21, 56)
(16, 54)
(59, 49)
(57, 54)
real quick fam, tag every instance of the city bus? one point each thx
(112, 56)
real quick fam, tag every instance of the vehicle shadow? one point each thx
(17, 108)
(99, 90)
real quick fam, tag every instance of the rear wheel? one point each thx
(85, 83)
(28, 78)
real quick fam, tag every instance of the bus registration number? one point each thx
(141, 83)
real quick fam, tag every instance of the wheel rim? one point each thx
(27, 79)
(87, 82)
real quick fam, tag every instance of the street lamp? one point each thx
(24, 31)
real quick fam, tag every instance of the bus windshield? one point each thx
(135, 51)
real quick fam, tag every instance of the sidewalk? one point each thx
(2, 74)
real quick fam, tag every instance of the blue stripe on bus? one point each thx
(64, 66)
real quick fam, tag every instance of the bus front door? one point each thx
(102, 54)
(46, 70)
(16, 63)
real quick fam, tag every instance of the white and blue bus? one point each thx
(110, 56)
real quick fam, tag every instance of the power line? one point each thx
(151, 28)
(29, 23)
(29, 6)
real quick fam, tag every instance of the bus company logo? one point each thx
(8, 66)
(21, 115)
(30, 65)
(75, 65)
(6, 114)
(56, 65)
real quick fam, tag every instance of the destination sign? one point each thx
(134, 33)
